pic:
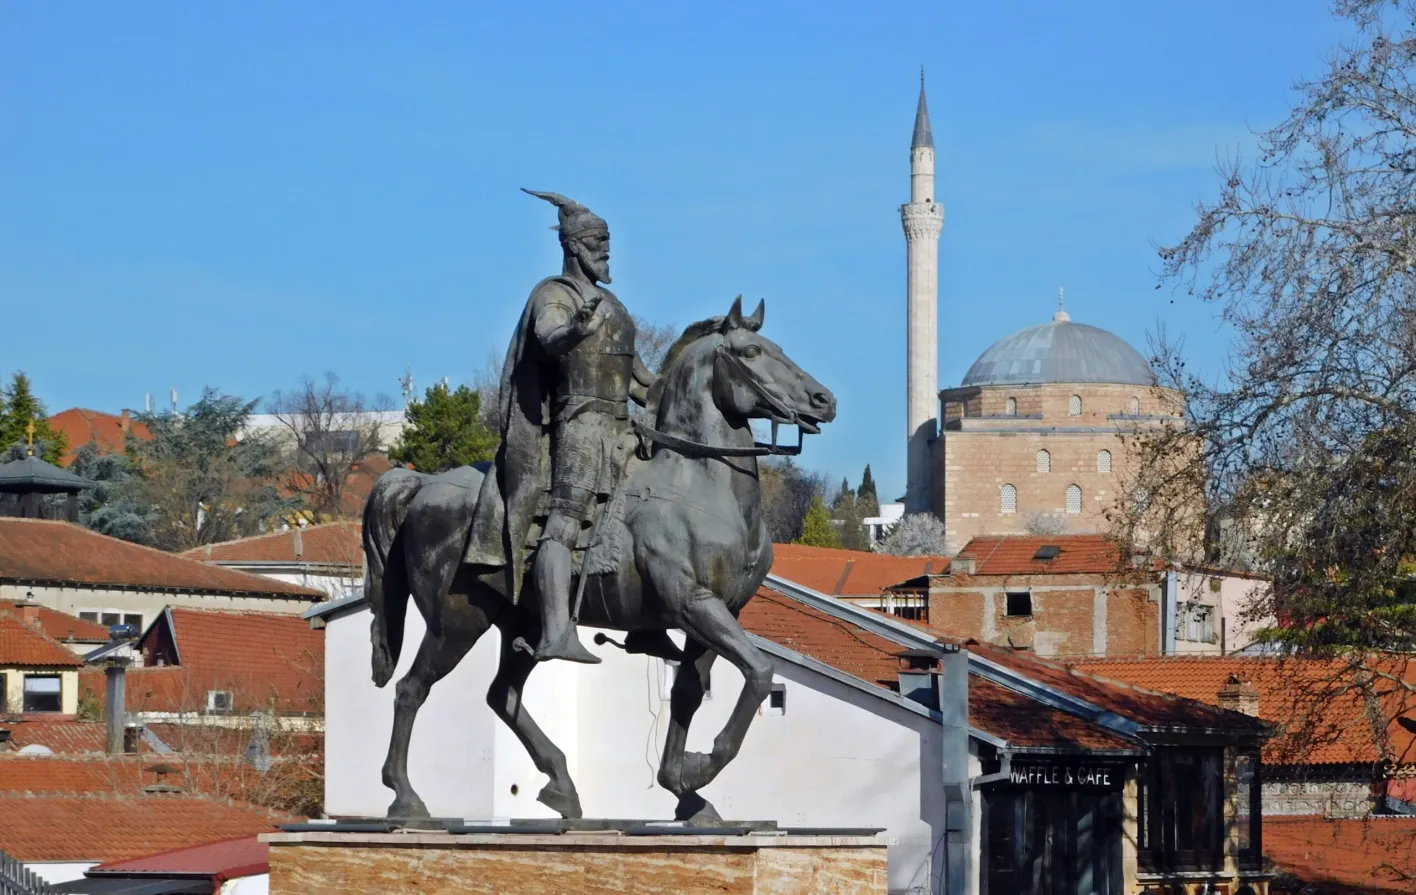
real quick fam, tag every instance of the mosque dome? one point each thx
(1060, 351)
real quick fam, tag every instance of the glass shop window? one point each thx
(43, 693)
(1181, 821)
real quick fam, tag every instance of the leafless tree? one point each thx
(918, 534)
(1301, 448)
(330, 430)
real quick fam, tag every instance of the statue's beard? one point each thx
(597, 268)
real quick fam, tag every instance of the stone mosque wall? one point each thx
(1012, 457)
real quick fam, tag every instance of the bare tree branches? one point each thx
(329, 430)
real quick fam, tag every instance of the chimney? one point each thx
(299, 544)
(125, 422)
(1239, 695)
(116, 672)
(30, 613)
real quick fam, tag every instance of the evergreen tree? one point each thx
(846, 513)
(206, 478)
(18, 408)
(112, 506)
(867, 501)
(445, 431)
(817, 529)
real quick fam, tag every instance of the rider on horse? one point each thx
(569, 374)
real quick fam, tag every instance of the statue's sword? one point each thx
(595, 535)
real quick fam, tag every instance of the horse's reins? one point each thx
(688, 446)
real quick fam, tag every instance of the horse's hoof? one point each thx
(565, 804)
(695, 809)
(410, 807)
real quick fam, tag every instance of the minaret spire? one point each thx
(923, 220)
(1061, 316)
(922, 134)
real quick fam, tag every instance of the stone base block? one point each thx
(592, 863)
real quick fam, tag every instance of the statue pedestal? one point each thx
(584, 863)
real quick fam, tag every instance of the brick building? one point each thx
(1034, 438)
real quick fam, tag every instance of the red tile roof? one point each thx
(118, 827)
(58, 625)
(337, 543)
(42, 551)
(44, 775)
(1014, 555)
(856, 651)
(105, 429)
(22, 646)
(1326, 719)
(224, 860)
(62, 736)
(850, 572)
(1149, 708)
(1337, 857)
(262, 658)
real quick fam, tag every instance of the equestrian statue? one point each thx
(590, 515)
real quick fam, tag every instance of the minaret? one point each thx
(923, 219)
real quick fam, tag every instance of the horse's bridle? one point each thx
(780, 414)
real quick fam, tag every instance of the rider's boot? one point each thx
(559, 639)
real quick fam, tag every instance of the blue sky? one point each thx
(239, 194)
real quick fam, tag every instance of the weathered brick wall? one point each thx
(1072, 615)
(982, 448)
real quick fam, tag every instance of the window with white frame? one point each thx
(219, 700)
(1044, 461)
(1074, 405)
(1074, 498)
(43, 693)
(1103, 461)
(1009, 502)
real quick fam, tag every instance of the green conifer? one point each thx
(867, 501)
(817, 529)
(445, 431)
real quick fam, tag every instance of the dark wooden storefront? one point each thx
(1054, 828)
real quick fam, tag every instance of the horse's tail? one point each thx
(386, 578)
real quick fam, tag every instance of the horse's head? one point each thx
(754, 379)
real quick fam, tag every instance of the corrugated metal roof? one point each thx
(1060, 351)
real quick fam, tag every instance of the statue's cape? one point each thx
(511, 495)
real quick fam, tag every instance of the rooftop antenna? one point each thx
(147, 402)
(1061, 316)
(174, 399)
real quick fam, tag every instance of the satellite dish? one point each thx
(36, 749)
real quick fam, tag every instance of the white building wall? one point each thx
(60, 871)
(835, 757)
(73, 600)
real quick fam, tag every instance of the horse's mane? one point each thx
(691, 334)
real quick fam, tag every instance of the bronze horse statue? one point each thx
(694, 551)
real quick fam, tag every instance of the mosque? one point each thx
(1034, 440)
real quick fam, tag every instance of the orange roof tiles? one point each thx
(1373, 855)
(856, 651)
(117, 827)
(22, 646)
(1014, 555)
(62, 736)
(58, 625)
(81, 426)
(261, 658)
(850, 572)
(337, 543)
(44, 775)
(1326, 720)
(34, 550)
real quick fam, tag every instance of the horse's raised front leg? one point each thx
(504, 697)
(436, 657)
(690, 684)
(706, 620)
